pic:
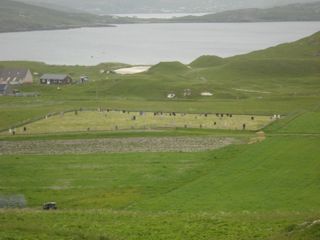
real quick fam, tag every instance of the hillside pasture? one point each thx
(237, 192)
(80, 121)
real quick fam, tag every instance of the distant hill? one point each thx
(292, 12)
(160, 6)
(17, 16)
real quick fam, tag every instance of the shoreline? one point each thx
(56, 28)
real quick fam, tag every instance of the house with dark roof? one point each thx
(15, 76)
(5, 89)
(55, 79)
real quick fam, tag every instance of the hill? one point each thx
(17, 16)
(160, 6)
(206, 61)
(292, 12)
(168, 67)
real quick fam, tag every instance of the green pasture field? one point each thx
(238, 192)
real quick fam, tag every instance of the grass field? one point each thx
(81, 121)
(239, 192)
(267, 189)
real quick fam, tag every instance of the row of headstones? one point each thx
(141, 113)
(221, 115)
(185, 126)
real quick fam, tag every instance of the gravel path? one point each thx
(115, 145)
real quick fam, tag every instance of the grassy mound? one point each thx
(206, 61)
(168, 68)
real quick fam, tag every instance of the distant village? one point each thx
(9, 78)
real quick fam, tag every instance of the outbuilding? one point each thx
(50, 79)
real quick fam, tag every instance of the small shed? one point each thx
(5, 89)
(50, 79)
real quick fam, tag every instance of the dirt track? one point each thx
(114, 145)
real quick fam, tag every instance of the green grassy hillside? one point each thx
(306, 48)
(259, 191)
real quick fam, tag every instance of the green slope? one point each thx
(250, 178)
(306, 48)
(260, 191)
